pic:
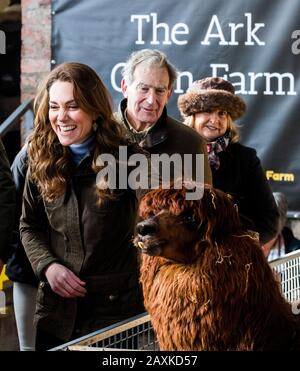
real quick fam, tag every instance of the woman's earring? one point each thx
(95, 125)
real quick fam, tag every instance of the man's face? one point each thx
(146, 96)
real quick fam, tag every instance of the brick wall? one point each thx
(36, 45)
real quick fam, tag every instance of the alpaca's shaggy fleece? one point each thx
(206, 282)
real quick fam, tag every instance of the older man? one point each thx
(147, 85)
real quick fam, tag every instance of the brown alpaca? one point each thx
(206, 282)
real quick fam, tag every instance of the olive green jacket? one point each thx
(92, 241)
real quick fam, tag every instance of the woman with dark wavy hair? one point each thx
(77, 236)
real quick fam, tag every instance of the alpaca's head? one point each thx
(178, 229)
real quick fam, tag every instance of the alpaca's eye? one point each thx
(189, 220)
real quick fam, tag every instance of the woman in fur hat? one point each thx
(210, 106)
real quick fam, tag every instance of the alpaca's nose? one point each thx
(146, 227)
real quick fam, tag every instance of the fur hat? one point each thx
(209, 94)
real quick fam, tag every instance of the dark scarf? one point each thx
(213, 148)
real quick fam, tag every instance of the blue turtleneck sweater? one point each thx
(82, 150)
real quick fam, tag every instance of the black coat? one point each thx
(7, 205)
(241, 175)
(18, 267)
(290, 241)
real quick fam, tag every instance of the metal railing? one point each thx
(14, 118)
(135, 333)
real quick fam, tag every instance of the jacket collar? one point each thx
(156, 135)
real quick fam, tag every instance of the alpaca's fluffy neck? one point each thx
(197, 306)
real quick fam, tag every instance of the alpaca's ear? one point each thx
(208, 204)
(208, 211)
(218, 213)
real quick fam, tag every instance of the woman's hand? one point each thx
(64, 282)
